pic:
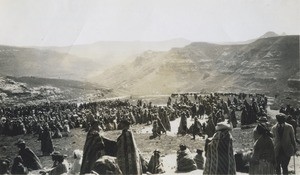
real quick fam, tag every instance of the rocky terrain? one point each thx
(268, 65)
(30, 90)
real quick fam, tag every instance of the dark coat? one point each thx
(31, 161)
(46, 142)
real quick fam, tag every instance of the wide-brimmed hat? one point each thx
(223, 126)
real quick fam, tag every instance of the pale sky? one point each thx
(72, 22)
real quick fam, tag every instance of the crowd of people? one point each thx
(272, 148)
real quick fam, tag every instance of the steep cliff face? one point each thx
(262, 66)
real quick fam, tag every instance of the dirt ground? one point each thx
(167, 144)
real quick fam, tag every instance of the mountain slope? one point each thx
(75, 62)
(30, 90)
(17, 61)
(262, 66)
(109, 53)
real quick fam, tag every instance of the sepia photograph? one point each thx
(132, 87)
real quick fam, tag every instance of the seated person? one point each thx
(60, 165)
(155, 165)
(30, 160)
(199, 159)
(57, 134)
(4, 167)
(185, 161)
(18, 167)
(106, 165)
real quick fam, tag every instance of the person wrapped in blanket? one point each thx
(60, 165)
(93, 148)
(185, 161)
(158, 128)
(263, 157)
(128, 156)
(155, 165)
(199, 159)
(18, 167)
(29, 158)
(219, 151)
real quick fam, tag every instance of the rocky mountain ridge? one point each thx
(265, 65)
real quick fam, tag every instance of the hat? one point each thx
(280, 117)
(182, 147)
(156, 151)
(57, 154)
(199, 151)
(263, 119)
(223, 126)
(20, 142)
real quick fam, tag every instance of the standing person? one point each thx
(232, 117)
(263, 157)
(210, 127)
(284, 142)
(155, 130)
(262, 121)
(183, 125)
(219, 152)
(292, 122)
(127, 152)
(165, 120)
(93, 148)
(30, 160)
(197, 128)
(46, 141)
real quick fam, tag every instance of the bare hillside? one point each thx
(18, 61)
(262, 66)
(28, 90)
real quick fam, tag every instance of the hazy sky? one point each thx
(68, 22)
